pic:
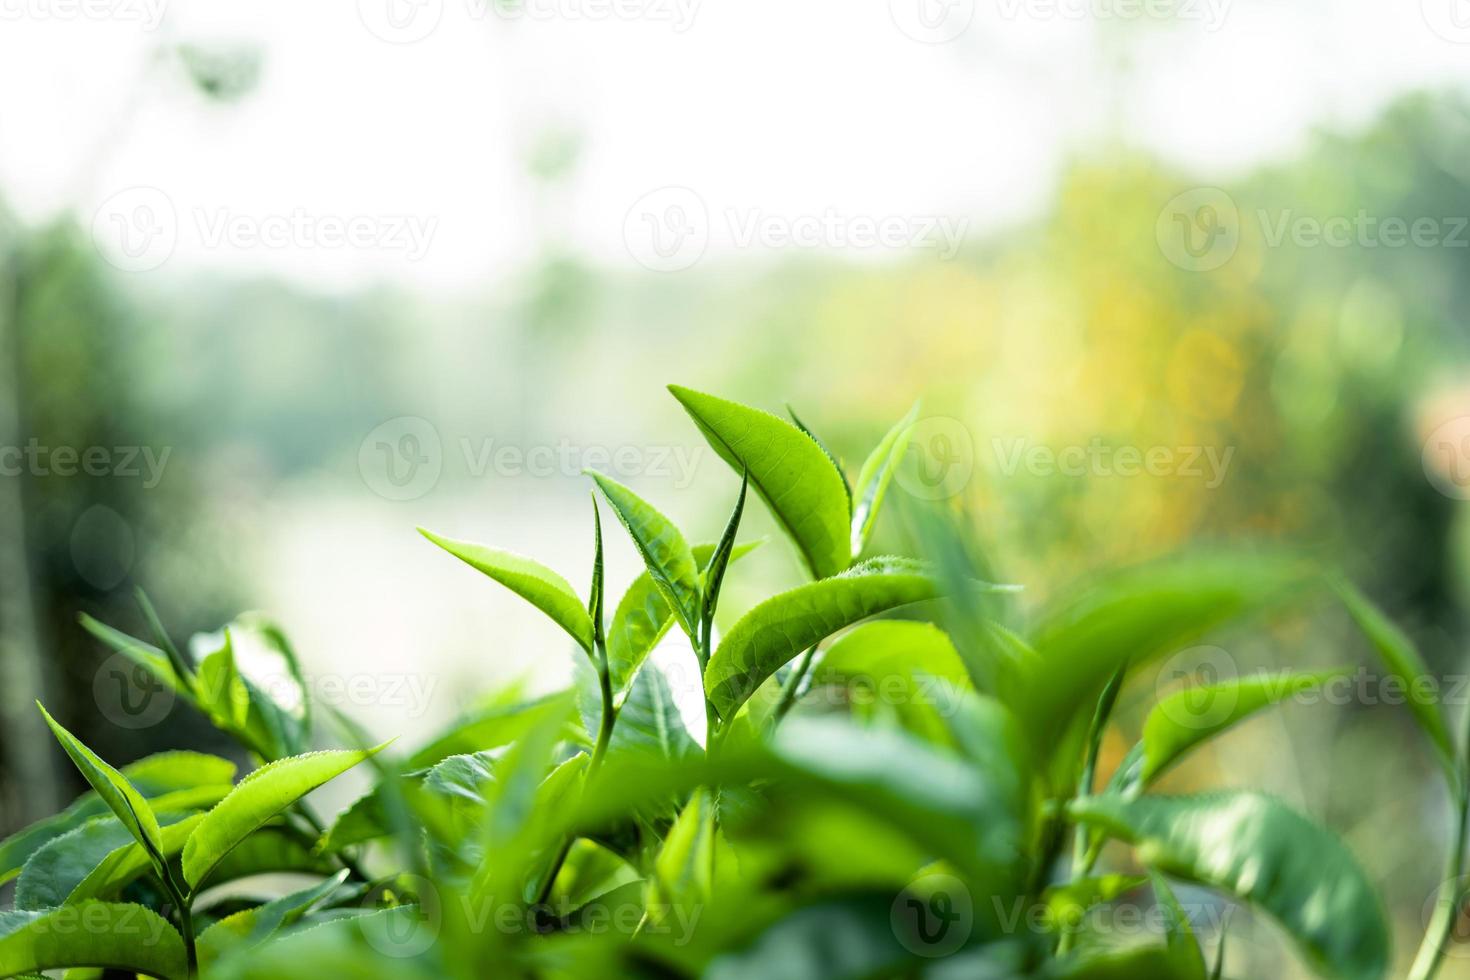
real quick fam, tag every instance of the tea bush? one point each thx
(893, 777)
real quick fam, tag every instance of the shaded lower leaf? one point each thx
(91, 934)
(127, 863)
(649, 720)
(170, 781)
(1184, 719)
(270, 850)
(1253, 846)
(361, 947)
(849, 938)
(252, 927)
(1404, 662)
(1133, 617)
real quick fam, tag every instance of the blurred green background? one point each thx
(1140, 344)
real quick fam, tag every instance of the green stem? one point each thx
(353, 868)
(1447, 908)
(543, 895)
(702, 654)
(604, 738)
(184, 906)
(793, 685)
(609, 714)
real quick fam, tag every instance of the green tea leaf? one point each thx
(1252, 846)
(664, 550)
(843, 939)
(91, 934)
(530, 580)
(875, 476)
(260, 796)
(964, 813)
(1153, 962)
(146, 655)
(899, 666)
(128, 862)
(251, 927)
(1403, 661)
(1179, 939)
(170, 781)
(270, 850)
(1068, 903)
(1137, 616)
(1184, 719)
(181, 665)
(347, 947)
(94, 861)
(714, 575)
(490, 726)
(595, 599)
(54, 870)
(775, 631)
(684, 867)
(222, 692)
(114, 789)
(643, 617)
(800, 485)
(836, 463)
(648, 721)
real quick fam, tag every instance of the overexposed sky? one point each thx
(387, 139)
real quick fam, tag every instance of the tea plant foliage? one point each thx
(882, 771)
